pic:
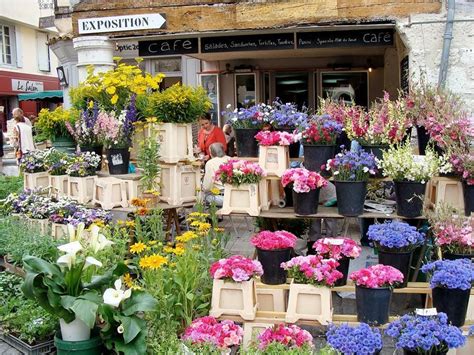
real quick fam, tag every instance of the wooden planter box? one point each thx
(59, 231)
(59, 184)
(176, 141)
(244, 199)
(110, 192)
(252, 331)
(446, 190)
(46, 347)
(179, 183)
(134, 189)
(274, 159)
(137, 137)
(234, 298)
(81, 189)
(33, 180)
(309, 302)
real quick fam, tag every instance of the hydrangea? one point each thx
(303, 180)
(395, 235)
(352, 165)
(313, 269)
(425, 333)
(237, 268)
(267, 240)
(360, 340)
(452, 274)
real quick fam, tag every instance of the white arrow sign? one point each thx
(121, 23)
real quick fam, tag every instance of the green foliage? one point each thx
(9, 289)
(162, 339)
(52, 124)
(275, 348)
(148, 158)
(10, 184)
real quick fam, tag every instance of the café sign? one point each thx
(27, 85)
(121, 23)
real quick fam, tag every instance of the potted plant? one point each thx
(360, 339)
(273, 248)
(273, 154)
(82, 172)
(318, 137)
(57, 163)
(374, 292)
(425, 334)
(306, 187)
(451, 282)
(338, 111)
(341, 249)
(351, 171)
(410, 175)
(52, 124)
(395, 242)
(464, 165)
(33, 166)
(283, 339)
(310, 297)
(233, 288)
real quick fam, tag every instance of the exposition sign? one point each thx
(121, 23)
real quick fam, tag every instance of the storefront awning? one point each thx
(49, 95)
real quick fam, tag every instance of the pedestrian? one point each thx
(18, 112)
(22, 137)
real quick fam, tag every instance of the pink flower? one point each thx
(377, 276)
(207, 330)
(313, 269)
(237, 268)
(267, 240)
(237, 172)
(337, 248)
(303, 180)
(291, 336)
(267, 138)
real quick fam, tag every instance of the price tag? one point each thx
(426, 312)
(335, 241)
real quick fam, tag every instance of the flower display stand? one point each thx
(81, 189)
(41, 224)
(110, 192)
(244, 199)
(271, 299)
(59, 184)
(274, 159)
(33, 180)
(447, 190)
(234, 298)
(137, 137)
(179, 183)
(252, 331)
(134, 188)
(59, 231)
(176, 141)
(269, 190)
(309, 302)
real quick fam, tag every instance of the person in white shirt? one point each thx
(22, 137)
(18, 112)
(218, 157)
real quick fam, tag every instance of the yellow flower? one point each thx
(120, 222)
(128, 280)
(204, 227)
(114, 99)
(217, 229)
(151, 119)
(111, 90)
(99, 223)
(214, 242)
(186, 237)
(137, 248)
(130, 224)
(153, 242)
(154, 261)
(168, 249)
(91, 104)
(215, 191)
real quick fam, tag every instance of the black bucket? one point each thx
(351, 197)
(409, 352)
(377, 151)
(400, 261)
(317, 155)
(454, 256)
(97, 150)
(306, 203)
(294, 148)
(273, 274)
(342, 140)
(453, 302)
(247, 145)
(119, 160)
(468, 192)
(423, 139)
(409, 196)
(289, 195)
(344, 269)
(373, 305)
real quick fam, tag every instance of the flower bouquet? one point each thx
(374, 292)
(306, 185)
(417, 334)
(313, 270)
(236, 268)
(83, 129)
(451, 282)
(361, 339)
(83, 164)
(267, 138)
(238, 172)
(283, 339)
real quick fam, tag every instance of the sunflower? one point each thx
(137, 248)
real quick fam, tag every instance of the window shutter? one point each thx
(42, 51)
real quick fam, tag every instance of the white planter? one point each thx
(59, 184)
(176, 141)
(110, 192)
(309, 302)
(33, 180)
(59, 231)
(77, 330)
(234, 298)
(81, 189)
(274, 159)
(179, 183)
(241, 199)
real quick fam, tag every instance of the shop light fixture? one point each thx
(290, 82)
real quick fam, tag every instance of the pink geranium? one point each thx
(313, 269)
(337, 248)
(237, 172)
(237, 268)
(377, 276)
(290, 336)
(303, 180)
(267, 138)
(267, 240)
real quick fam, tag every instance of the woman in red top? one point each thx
(208, 134)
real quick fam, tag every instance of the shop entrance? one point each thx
(292, 87)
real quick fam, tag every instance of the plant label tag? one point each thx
(117, 159)
(335, 241)
(426, 312)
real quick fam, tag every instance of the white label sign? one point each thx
(27, 85)
(126, 49)
(336, 241)
(426, 312)
(120, 23)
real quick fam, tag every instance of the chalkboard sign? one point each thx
(354, 38)
(405, 75)
(168, 46)
(248, 43)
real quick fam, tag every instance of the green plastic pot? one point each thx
(92, 346)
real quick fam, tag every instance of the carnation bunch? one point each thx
(291, 337)
(377, 276)
(267, 138)
(425, 334)
(354, 340)
(337, 248)
(321, 130)
(238, 172)
(395, 235)
(352, 166)
(236, 268)
(303, 180)
(451, 274)
(267, 240)
(313, 270)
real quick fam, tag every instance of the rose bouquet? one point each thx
(34, 161)
(267, 138)
(425, 334)
(236, 268)
(303, 180)
(377, 276)
(313, 270)
(450, 274)
(395, 235)
(337, 248)
(266, 240)
(288, 339)
(287, 115)
(249, 117)
(238, 172)
(354, 340)
(352, 166)
(83, 164)
(320, 130)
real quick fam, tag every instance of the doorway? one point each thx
(292, 87)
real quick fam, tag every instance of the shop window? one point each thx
(245, 90)
(346, 86)
(43, 52)
(171, 67)
(292, 87)
(6, 44)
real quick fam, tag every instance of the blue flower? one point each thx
(354, 340)
(395, 235)
(452, 274)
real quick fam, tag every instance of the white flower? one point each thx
(366, 169)
(71, 250)
(98, 241)
(120, 329)
(66, 260)
(75, 233)
(113, 297)
(228, 106)
(92, 261)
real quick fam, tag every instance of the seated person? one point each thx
(218, 157)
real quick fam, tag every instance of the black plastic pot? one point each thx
(373, 304)
(377, 151)
(351, 197)
(423, 139)
(409, 196)
(118, 159)
(400, 261)
(247, 145)
(430, 352)
(317, 155)
(468, 192)
(294, 148)
(453, 302)
(97, 150)
(289, 195)
(344, 269)
(273, 274)
(306, 203)
(454, 256)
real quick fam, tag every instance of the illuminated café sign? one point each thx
(27, 85)
(121, 23)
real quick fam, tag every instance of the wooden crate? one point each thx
(309, 302)
(81, 189)
(274, 159)
(59, 184)
(446, 190)
(176, 141)
(110, 192)
(241, 199)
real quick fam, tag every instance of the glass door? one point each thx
(292, 87)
